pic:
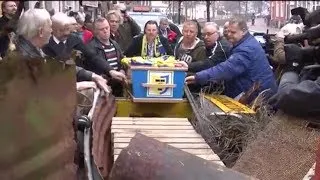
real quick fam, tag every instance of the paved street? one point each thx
(261, 26)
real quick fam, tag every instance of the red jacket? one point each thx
(86, 35)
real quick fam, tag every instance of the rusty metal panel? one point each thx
(37, 103)
(101, 127)
(146, 158)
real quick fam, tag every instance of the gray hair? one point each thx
(72, 20)
(99, 20)
(116, 13)
(60, 18)
(212, 24)
(240, 22)
(164, 19)
(31, 20)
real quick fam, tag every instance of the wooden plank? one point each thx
(121, 145)
(166, 140)
(191, 151)
(150, 127)
(169, 134)
(172, 131)
(147, 119)
(177, 132)
(146, 158)
(213, 158)
(141, 122)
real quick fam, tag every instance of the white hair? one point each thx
(30, 22)
(60, 18)
(72, 20)
(212, 24)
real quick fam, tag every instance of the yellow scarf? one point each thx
(156, 45)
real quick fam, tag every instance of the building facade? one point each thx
(280, 11)
(91, 7)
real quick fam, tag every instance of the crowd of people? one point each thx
(234, 57)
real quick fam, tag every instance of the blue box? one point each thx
(157, 84)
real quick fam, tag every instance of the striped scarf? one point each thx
(158, 49)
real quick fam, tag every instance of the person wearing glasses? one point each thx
(128, 29)
(246, 66)
(217, 49)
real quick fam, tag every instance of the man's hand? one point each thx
(122, 71)
(118, 75)
(181, 64)
(190, 80)
(101, 82)
(86, 85)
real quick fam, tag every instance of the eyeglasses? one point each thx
(114, 21)
(208, 34)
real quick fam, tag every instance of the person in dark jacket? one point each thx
(217, 49)
(62, 43)
(109, 50)
(190, 48)
(128, 29)
(150, 43)
(7, 24)
(246, 65)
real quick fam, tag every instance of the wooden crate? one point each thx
(177, 132)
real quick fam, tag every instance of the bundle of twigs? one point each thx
(227, 134)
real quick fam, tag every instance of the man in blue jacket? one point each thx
(247, 64)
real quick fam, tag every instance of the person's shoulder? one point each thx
(138, 37)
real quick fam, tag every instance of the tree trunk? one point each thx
(213, 9)
(179, 12)
(208, 11)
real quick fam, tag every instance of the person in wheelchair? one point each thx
(149, 44)
(246, 66)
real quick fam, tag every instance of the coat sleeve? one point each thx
(83, 75)
(200, 65)
(235, 65)
(166, 45)
(297, 98)
(135, 28)
(92, 60)
(134, 48)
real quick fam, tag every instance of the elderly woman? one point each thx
(115, 19)
(149, 44)
(190, 48)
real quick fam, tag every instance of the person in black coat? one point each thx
(62, 43)
(150, 43)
